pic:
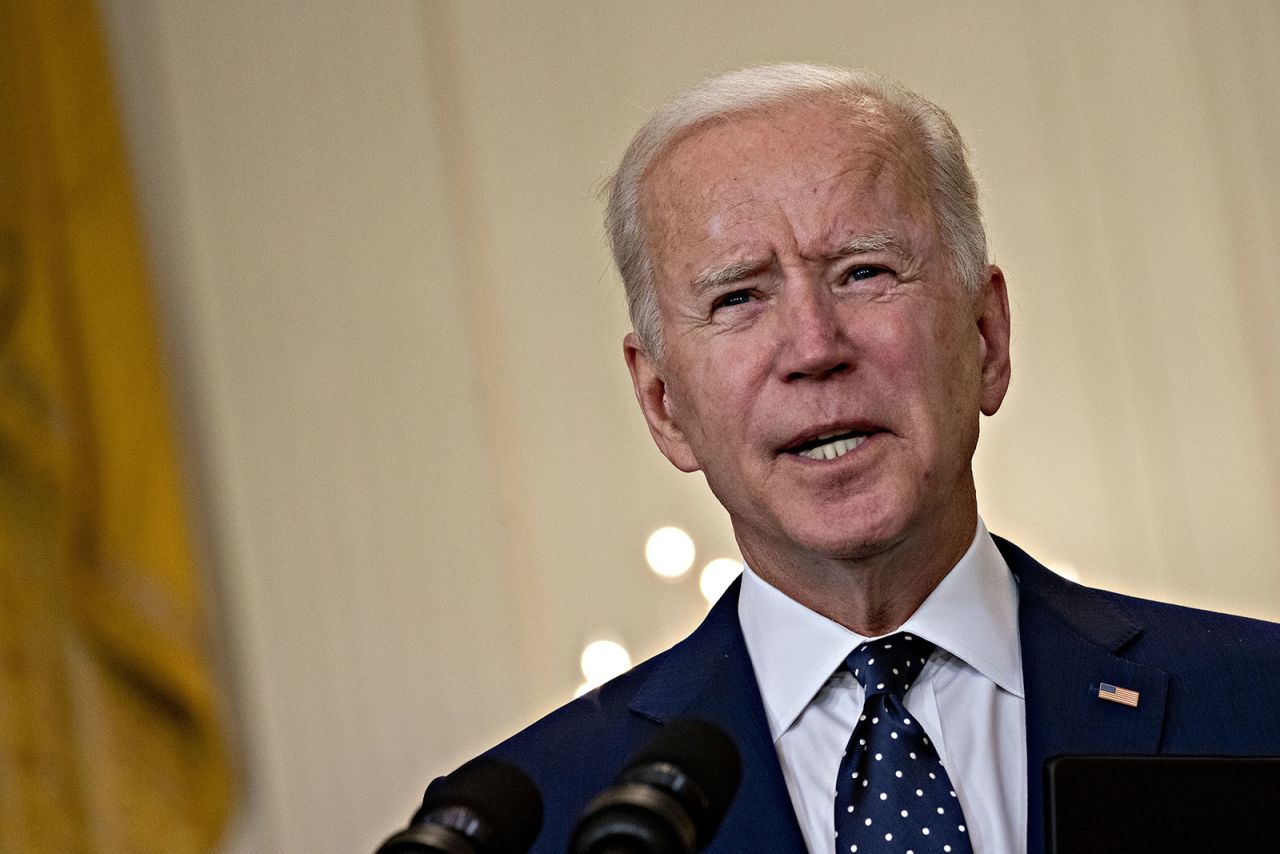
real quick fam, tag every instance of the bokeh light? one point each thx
(604, 659)
(669, 552)
(718, 575)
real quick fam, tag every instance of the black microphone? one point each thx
(670, 797)
(485, 807)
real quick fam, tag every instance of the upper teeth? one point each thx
(834, 448)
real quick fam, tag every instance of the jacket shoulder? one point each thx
(577, 750)
(1222, 670)
(1182, 639)
(580, 733)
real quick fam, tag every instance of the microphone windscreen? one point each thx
(707, 755)
(501, 794)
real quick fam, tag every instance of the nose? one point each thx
(813, 341)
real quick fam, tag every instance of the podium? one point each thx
(1165, 804)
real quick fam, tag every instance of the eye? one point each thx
(733, 298)
(862, 272)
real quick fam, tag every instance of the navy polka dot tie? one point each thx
(892, 793)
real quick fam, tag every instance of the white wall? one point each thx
(396, 334)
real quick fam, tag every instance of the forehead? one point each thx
(823, 169)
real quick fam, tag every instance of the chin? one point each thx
(851, 535)
(852, 545)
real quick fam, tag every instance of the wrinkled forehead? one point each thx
(714, 167)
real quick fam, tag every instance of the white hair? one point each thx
(952, 190)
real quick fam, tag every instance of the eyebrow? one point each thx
(716, 277)
(868, 243)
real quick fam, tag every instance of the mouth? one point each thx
(828, 446)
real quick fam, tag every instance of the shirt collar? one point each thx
(972, 614)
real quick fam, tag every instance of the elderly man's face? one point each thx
(823, 366)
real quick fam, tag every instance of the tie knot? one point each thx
(889, 665)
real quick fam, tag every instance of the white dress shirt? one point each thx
(968, 697)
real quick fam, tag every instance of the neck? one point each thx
(871, 594)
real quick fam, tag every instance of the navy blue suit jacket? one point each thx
(1209, 684)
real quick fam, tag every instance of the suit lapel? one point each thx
(1072, 642)
(709, 676)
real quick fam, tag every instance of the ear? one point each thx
(655, 402)
(992, 309)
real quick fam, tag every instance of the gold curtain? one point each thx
(110, 739)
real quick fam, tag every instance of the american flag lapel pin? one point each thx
(1116, 694)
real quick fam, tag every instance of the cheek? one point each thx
(930, 366)
(955, 386)
(882, 331)
(897, 343)
(719, 412)
(730, 372)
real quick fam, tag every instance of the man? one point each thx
(817, 329)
